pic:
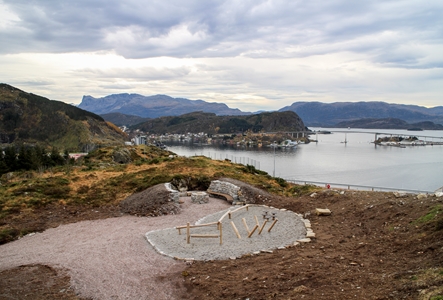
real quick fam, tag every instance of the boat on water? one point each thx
(289, 144)
(285, 144)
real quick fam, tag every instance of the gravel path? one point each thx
(111, 258)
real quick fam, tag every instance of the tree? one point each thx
(10, 158)
(56, 158)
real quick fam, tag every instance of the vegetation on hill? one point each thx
(213, 124)
(98, 181)
(120, 119)
(29, 118)
(30, 158)
(374, 245)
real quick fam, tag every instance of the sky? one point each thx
(250, 54)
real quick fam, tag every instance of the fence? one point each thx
(256, 164)
(356, 187)
(235, 159)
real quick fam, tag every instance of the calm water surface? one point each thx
(357, 162)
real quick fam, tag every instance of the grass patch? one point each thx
(430, 216)
(305, 189)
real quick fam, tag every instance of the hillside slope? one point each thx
(29, 118)
(210, 123)
(120, 119)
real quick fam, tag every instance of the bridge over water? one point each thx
(435, 140)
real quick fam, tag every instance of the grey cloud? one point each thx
(145, 73)
(139, 29)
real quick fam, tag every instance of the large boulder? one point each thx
(122, 156)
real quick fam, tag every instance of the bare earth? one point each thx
(373, 246)
(109, 258)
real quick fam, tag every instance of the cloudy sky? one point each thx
(250, 54)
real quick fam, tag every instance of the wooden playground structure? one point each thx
(267, 218)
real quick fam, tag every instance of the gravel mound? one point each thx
(152, 202)
(288, 229)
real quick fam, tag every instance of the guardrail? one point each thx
(355, 186)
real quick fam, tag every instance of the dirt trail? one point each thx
(110, 258)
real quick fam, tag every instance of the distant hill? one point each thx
(120, 119)
(211, 123)
(388, 123)
(29, 118)
(329, 114)
(152, 106)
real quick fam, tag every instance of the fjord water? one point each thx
(357, 162)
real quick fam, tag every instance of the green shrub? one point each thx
(281, 181)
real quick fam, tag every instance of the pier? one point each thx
(427, 140)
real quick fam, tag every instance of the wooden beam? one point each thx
(256, 220)
(204, 235)
(272, 225)
(188, 233)
(246, 225)
(253, 230)
(235, 230)
(263, 226)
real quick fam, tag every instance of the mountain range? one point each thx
(329, 114)
(152, 106)
(312, 113)
(32, 119)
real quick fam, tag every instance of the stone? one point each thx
(224, 187)
(313, 195)
(422, 196)
(310, 234)
(199, 197)
(122, 156)
(399, 194)
(323, 211)
(305, 240)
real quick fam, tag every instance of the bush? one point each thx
(281, 181)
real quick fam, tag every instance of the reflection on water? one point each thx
(357, 162)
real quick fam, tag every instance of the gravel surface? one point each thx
(288, 229)
(110, 258)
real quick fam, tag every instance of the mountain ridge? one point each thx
(312, 113)
(32, 119)
(152, 106)
(330, 114)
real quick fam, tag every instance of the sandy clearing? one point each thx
(110, 258)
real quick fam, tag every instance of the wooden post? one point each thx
(221, 232)
(246, 225)
(263, 226)
(188, 233)
(235, 230)
(253, 230)
(272, 225)
(256, 220)
(224, 215)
